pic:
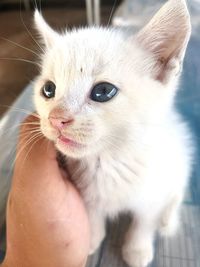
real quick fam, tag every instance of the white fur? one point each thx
(137, 152)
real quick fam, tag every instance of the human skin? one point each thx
(47, 224)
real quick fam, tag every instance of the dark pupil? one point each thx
(103, 92)
(49, 90)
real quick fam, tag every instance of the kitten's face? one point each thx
(96, 85)
(85, 69)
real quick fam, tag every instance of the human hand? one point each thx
(47, 224)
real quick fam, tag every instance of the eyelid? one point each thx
(117, 85)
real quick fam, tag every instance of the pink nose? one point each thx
(60, 123)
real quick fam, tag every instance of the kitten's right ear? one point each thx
(47, 34)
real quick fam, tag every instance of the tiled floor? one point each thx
(181, 250)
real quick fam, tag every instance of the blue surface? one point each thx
(1, 255)
(188, 102)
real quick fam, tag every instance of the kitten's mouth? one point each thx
(69, 142)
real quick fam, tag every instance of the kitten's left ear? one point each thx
(166, 37)
(46, 32)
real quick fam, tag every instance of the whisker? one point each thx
(29, 123)
(38, 5)
(31, 147)
(21, 60)
(22, 135)
(112, 145)
(26, 111)
(21, 124)
(28, 132)
(5, 131)
(31, 139)
(28, 31)
(111, 13)
(138, 123)
(35, 3)
(21, 46)
(48, 143)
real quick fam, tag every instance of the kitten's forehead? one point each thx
(86, 51)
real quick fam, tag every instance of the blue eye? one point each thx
(103, 92)
(49, 89)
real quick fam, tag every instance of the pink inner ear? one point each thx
(166, 37)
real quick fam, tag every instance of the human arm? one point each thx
(47, 224)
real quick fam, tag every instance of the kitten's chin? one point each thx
(71, 148)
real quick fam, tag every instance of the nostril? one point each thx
(69, 121)
(60, 123)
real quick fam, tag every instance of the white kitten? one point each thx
(106, 98)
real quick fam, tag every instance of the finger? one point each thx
(31, 138)
(33, 148)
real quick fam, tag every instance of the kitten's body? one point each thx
(132, 153)
(152, 172)
(149, 181)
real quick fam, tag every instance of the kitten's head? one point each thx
(97, 83)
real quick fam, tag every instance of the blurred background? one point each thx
(15, 17)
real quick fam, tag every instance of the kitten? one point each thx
(106, 99)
